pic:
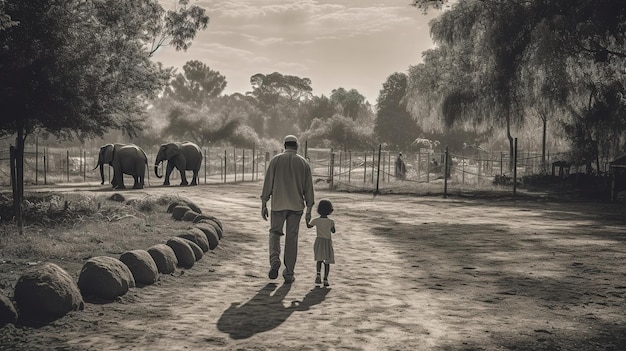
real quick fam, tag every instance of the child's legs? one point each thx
(318, 266)
(326, 270)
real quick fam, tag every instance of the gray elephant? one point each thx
(125, 159)
(185, 156)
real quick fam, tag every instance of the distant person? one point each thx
(400, 168)
(323, 246)
(289, 184)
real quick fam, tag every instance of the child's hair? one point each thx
(325, 207)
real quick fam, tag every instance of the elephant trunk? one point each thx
(156, 170)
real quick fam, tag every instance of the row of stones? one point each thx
(47, 292)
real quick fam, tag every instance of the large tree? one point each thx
(197, 85)
(394, 125)
(280, 98)
(78, 68)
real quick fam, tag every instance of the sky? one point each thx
(350, 44)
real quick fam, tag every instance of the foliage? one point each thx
(497, 60)
(197, 86)
(340, 131)
(394, 125)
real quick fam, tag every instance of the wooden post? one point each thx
(365, 167)
(378, 171)
(331, 174)
(37, 161)
(45, 166)
(225, 169)
(84, 166)
(445, 174)
(67, 164)
(515, 170)
(243, 164)
(253, 159)
(206, 156)
(349, 165)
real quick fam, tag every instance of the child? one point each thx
(323, 247)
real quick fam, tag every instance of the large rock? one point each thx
(179, 212)
(184, 202)
(210, 233)
(141, 265)
(164, 257)
(184, 253)
(197, 251)
(218, 229)
(105, 277)
(213, 218)
(8, 314)
(190, 216)
(198, 237)
(47, 292)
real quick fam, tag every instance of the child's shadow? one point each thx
(265, 311)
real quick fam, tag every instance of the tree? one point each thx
(79, 68)
(348, 103)
(340, 131)
(280, 97)
(197, 85)
(394, 124)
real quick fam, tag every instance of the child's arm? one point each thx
(332, 229)
(308, 223)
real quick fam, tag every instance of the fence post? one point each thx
(37, 161)
(225, 169)
(243, 164)
(253, 159)
(349, 165)
(515, 170)
(206, 157)
(445, 175)
(378, 171)
(340, 162)
(331, 174)
(365, 167)
(84, 166)
(45, 166)
(67, 164)
(501, 156)
(384, 161)
(428, 169)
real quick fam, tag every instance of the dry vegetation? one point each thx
(68, 229)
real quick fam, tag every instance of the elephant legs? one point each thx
(195, 180)
(138, 182)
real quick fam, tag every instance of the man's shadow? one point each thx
(265, 311)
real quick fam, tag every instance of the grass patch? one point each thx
(68, 229)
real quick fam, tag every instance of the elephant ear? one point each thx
(108, 154)
(171, 150)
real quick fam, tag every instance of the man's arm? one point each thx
(309, 193)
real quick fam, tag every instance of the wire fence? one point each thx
(44, 165)
(425, 171)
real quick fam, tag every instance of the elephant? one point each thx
(125, 159)
(185, 156)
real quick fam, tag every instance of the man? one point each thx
(289, 184)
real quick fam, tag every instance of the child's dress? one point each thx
(323, 246)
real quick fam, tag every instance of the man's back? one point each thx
(288, 182)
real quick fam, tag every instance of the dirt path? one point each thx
(412, 273)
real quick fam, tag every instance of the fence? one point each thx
(467, 171)
(43, 165)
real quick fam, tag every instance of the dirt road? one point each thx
(412, 273)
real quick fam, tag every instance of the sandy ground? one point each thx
(412, 273)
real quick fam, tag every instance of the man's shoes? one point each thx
(290, 279)
(318, 279)
(273, 274)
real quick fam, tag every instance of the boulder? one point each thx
(179, 212)
(117, 197)
(210, 233)
(184, 253)
(189, 216)
(141, 265)
(105, 277)
(183, 202)
(218, 229)
(198, 237)
(8, 314)
(164, 258)
(213, 218)
(197, 251)
(46, 292)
